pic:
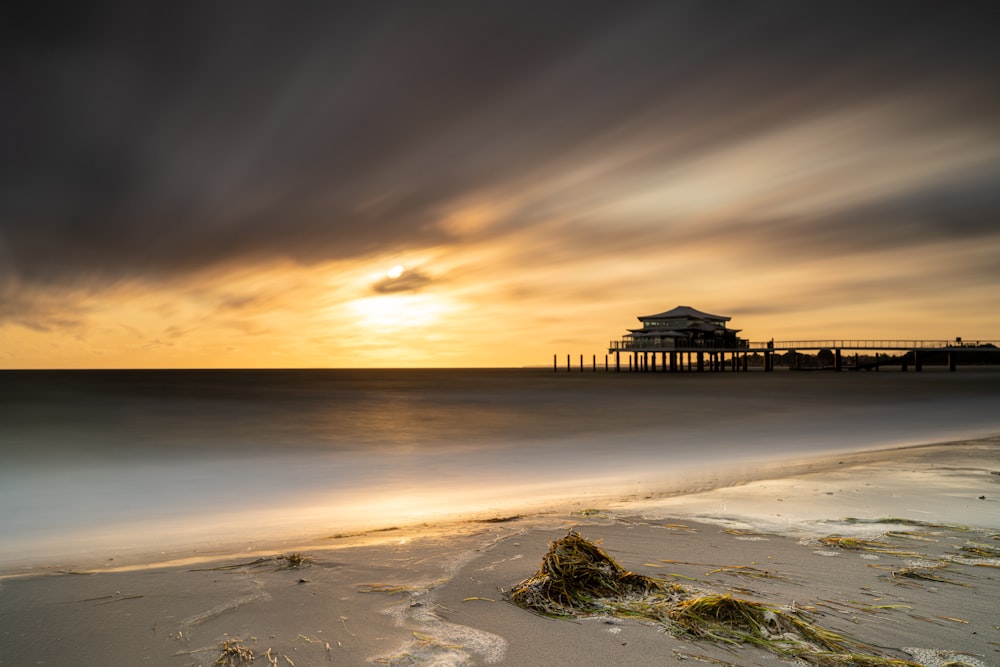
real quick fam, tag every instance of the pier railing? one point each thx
(647, 345)
(882, 344)
(628, 345)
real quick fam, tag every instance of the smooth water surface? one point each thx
(124, 461)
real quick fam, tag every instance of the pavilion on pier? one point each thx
(683, 327)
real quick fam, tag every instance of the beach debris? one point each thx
(362, 533)
(577, 578)
(396, 589)
(234, 653)
(911, 535)
(746, 571)
(904, 522)
(677, 526)
(500, 519)
(953, 619)
(730, 620)
(292, 561)
(925, 574)
(681, 655)
(979, 549)
(343, 621)
(592, 511)
(108, 599)
(873, 546)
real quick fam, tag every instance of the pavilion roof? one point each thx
(666, 331)
(685, 311)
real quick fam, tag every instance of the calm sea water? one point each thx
(116, 461)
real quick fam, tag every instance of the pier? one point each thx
(685, 339)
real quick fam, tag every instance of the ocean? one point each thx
(124, 462)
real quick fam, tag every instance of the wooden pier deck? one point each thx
(761, 354)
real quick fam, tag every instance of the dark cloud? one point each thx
(410, 281)
(149, 139)
(37, 309)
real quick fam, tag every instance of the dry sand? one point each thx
(433, 595)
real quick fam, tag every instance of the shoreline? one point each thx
(427, 595)
(703, 494)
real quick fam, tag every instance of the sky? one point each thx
(471, 184)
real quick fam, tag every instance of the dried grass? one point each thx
(981, 550)
(874, 546)
(292, 561)
(234, 653)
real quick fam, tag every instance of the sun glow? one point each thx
(405, 311)
(395, 271)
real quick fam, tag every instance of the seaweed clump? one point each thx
(577, 578)
(734, 621)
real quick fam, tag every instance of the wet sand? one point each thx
(433, 595)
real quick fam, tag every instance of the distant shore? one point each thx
(431, 594)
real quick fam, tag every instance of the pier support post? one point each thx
(918, 364)
(568, 368)
(952, 361)
(555, 363)
(701, 362)
(836, 360)
(673, 362)
(618, 361)
(877, 361)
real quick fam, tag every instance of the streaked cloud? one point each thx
(237, 180)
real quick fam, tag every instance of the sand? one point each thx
(433, 595)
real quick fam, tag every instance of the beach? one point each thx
(435, 594)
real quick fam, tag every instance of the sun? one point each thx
(395, 271)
